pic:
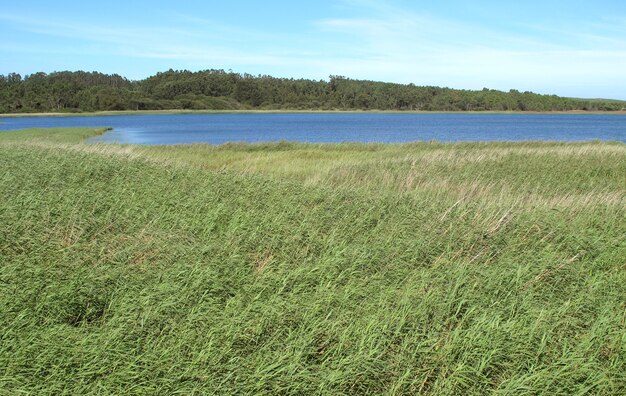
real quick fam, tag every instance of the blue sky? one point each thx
(569, 48)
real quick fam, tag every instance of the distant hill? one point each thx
(221, 90)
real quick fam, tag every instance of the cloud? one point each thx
(405, 46)
(363, 39)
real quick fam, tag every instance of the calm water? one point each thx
(338, 127)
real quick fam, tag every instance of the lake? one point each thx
(337, 127)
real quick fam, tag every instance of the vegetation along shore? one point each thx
(68, 92)
(290, 268)
(286, 111)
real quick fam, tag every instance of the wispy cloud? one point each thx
(156, 43)
(362, 39)
(200, 40)
(407, 46)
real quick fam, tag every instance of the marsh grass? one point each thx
(290, 268)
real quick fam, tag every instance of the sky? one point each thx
(569, 48)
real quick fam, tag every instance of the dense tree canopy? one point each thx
(222, 90)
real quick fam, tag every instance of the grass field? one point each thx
(285, 268)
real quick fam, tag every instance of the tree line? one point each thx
(226, 90)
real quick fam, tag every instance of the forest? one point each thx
(81, 91)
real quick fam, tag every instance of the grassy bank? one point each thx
(290, 268)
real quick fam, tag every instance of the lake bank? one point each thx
(160, 112)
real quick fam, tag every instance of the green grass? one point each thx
(289, 268)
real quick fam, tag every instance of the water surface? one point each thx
(337, 127)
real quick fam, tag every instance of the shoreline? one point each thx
(294, 111)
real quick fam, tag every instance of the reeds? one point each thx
(222, 270)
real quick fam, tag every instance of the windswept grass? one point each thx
(288, 268)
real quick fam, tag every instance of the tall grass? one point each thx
(311, 269)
